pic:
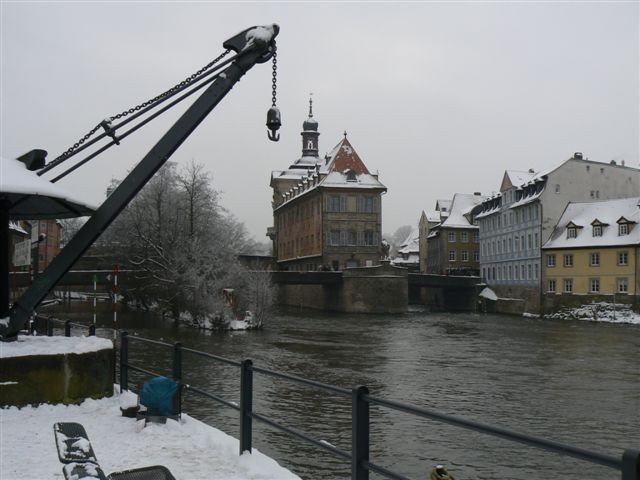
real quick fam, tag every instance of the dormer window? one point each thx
(597, 228)
(623, 229)
(572, 232)
(351, 176)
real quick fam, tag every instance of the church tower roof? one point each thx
(310, 134)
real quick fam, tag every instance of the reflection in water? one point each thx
(575, 382)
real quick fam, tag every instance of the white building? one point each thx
(518, 220)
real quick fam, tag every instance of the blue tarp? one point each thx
(158, 396)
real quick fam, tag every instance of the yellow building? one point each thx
(593, 254)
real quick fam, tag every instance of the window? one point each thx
(529, 243)
(597, 230)
(551, 260)
(352, 238)
(369, 237)
(594, 285)
(335, 203)
(568, 260)
(451, 236)
(557, 188)
(335, 237)
(452, 255)
(535, 271)
(351, 175)
(535, 239)
(623, 285)
(517, 243)
(464, 255)
(568, 285)
(476, 237)
(551, 286)
(522, 272)
(623, 258)
(476, 256)
(367, 205)
(571, 232)
(464, 237)
(595, 259)
(529, 271)
(623, 229)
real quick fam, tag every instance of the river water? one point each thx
(576, 382)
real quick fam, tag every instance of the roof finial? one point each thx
(345, 134)
(311, 105)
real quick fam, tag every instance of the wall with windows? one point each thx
(454, 251)
(352, 224)
(299, 229)
(591, 271)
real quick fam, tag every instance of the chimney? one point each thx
(477, 194)
(531, 170)
(577, 155)
(612, 162)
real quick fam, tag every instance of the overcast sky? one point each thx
(438, 97)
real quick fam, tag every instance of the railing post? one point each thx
(124, 360)
(359, 434)
(177, 373)
(246, 405)
(67, 328)
(631, 465)
(92, 330)
(49, 327)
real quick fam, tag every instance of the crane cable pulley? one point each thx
(273, 114)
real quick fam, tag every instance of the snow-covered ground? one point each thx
(190, 449)
(599, 312)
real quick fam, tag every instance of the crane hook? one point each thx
(273, 123)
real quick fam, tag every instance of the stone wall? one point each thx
(64, 378)
(380, 289)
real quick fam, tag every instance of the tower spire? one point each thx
(311, 105)
(310, 133)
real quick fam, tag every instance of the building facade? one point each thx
(428, 220)
(327, 212)
(593, 252)
(517, 221)
(453, 245)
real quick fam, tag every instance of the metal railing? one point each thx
(628, 464)
(67, 325)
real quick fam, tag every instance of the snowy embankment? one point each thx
(190, 449)
(599, 312)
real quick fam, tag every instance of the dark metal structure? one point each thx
(253, 45)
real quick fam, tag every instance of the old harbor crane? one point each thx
(250, 47)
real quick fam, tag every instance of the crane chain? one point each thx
(183, 84)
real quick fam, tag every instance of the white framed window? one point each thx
(369, 237)
(464, 237)
(452, 255)
(568, 285)
(476, 256)
(594, 259)
(568, 260)
(594, 285)
(597, 230)
(623, 258)
(622, 285)
(464, 255)
(476, 237)
(571, 232)
(451, 236)
(551, 260)
(623, 229)
(551, 286)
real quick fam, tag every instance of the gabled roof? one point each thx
(514, 178)
(346, 158)
(432, 216)
(461, 207)
(607, 212)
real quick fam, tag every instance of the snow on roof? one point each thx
(607, 212)
(432, 216)
(189, 448)
(488, 294)
(340, 180)
(411, 244)
(29, 345)
(461, 205)
(517, 177)
(30, 195)
(443, 205)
